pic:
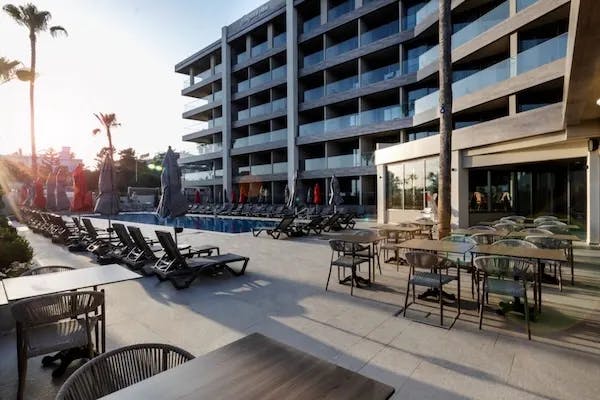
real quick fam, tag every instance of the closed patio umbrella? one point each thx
(309, 196)
(197, 197)
(317, 194)
(107, 202)
(286, 195)
(39, 200)
(79, 189)
(62, 201)
(51, 191)
(172, 202)
(335, 198)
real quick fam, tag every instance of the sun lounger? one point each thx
(285, 226)
(184, 269)
(315, 225)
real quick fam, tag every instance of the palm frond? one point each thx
(15, 13)
(8, 69)
(58, 30)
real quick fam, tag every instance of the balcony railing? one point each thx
(261, 138)
(262, 109)
(259, 49)
(241, 57)
(209, 148)
(215, 123)
(279, 40)
(522, 4)
(315, 164)
(197, 78)
(411, 20)
(203, 175)
(311, 24)
(314, 93)
(544, 53)
(203, 101)
(340, 10)
(383, 31)
(367, 117)
(380, 74)
(268, 169)
(342, 85)
(340, 161)
(341, 48)
(255, 81)
(313, 58)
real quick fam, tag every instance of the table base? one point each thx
(358, 281)
(435, 293)
(66, 357)
(516, 306)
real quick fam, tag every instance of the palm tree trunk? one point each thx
(32, 107)
(445, 103)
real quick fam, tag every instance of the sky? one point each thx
(118, 57)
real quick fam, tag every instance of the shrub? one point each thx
(14, 248)
(3, 221)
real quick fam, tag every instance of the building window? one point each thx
(412, 185)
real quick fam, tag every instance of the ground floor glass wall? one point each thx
(412, 185)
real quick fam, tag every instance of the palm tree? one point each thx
(108, 121)
(445, 103)
(8, 69)
(35, 21)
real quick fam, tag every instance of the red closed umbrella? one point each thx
(197, 197)
(317, 194)
(39, 201)
(80, 191)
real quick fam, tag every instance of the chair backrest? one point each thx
(337, 245)
(123, 235)
(285, 223)
(536, 231)
(424, 260)
(47, 270)
(503, 267)
(168, 244)
(505, 226)
(515, 218)
(514, 243)
(552, 222)
(458, 238)
(545, 218)
(89, 228)
(484, 238)
(555, 228)
(545, 242)
(120, 368)
(138, 239)
(77, 223)
(481, 228)
(51, 308)
(315, 222)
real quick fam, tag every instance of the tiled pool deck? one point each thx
(282, 295)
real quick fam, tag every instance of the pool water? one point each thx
(215, 224)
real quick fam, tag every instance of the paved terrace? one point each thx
(282, 295)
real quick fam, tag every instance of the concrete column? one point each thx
(213, 62)
(323, 12)
(593, 197)
(459, 192)
(292, 89)
(270, 35)
(249, 45)
(514, 49)
(192, 74)
(226, 83)
(381, 193)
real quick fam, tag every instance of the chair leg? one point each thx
(527, 314)
(441, 306)
(352, 281)
(22, 367)
(328, 277)
(481, 304)
(560, 286)
(406, 297)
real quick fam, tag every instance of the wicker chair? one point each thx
(485, 238)
(56, 322)
(119, 369)
(463, 261)
(557, 229)
(536, 231)
(514, 218)
(544, 242)
(434, 278)
(47, 270)
(482, 228)
(504, 276)
(506, 226)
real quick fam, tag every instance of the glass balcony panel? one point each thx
(367, 159)
(243, 170)
(313, 58)
(243, 114)
(380, 74)
(383, 31)
(341, 48)
(340, 10)
(260, 79)
(279, 40)
(315, 164)
(311, 24)
(482, 24)
(243, 86)
(382, 114)
(426, 11)
(343, 161)
(203, 175)
(218, 96)
(261, 138)
(522, 4)
(198, 126)
(241, 57)
(218, 68)
(312, 128)
(261, 109)
(544, 53)
(194, 104)
(341, 122)
(342, 85)
(264, 169)
(260, 48)
(209, 148)
(215, 123)
(279, 72)
(279, 104)
(280, 167)
(314, 93)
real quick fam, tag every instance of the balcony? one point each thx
(241, 57)
(428, 9)
(383, 31)
(339, 10)
(380, 74)
(198, 78)
(259, 49)
(203, 175)
(313, 58)
(279, 40)
(314, 93)
(341, 48)
(367, 117)
(342, 85)
(522, 4)
(261, 138)
(544, 53)
(210, 98)
(209, 148)
(268, 169)
(262, 109)
(275, 74)
(340, 161)
(311, 24)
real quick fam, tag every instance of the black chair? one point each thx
(315, 225)
(285, 226)
(341, 259)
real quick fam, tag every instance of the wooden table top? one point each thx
(56, 282)
(520, 252)
(392, 227)
(3, 299)
(256, 367)
(519, 235)
(436, 245)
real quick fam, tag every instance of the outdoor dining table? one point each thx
(396, 229)
(370, 239)
(3, 299)
(438, 246)
(469, 232)
(256, 367)
(566, 238)
(525, 253)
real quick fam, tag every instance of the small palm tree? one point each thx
(35, 21)
(108, 121)
(8, 69)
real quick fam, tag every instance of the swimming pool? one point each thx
(215, 224)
